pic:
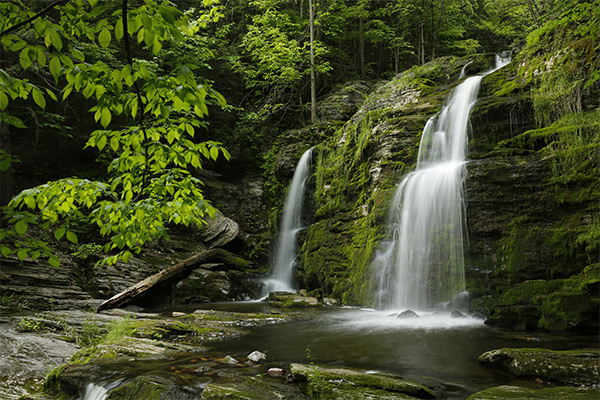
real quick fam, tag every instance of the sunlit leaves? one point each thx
(150, 183)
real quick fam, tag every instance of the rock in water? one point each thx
(578, 367)
(256, 356)
(457, 314)
(229, 360)
(407, 314)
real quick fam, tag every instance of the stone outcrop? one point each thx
(575, 367)
(357, 384)
(516, 392)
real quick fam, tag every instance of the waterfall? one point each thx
(421, 264)
(291, 224)
(94, 392)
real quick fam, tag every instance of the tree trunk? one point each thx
(361, 49)
(313, 77)
(186, 266)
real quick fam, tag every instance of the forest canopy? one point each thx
(133, 81)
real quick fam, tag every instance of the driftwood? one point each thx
(186, 266)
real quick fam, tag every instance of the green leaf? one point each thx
(59, 233)
(39, 98)
(21, 227)
(24, 59)
(167, 15)
(119, 29)
(114, 143)
(105, 118)
(12, 120)
(214, 153)
(22, 254)
(53, 38)
(3, 100)
(100, 143)
(55, 67)
(72, 237)
(104, 37)
(54, 261)
(6, 251)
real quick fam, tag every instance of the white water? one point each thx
(94, 392)
(291, 224)
(421, 265)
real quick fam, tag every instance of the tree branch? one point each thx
(33, 18)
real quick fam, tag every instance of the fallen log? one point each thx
(186, 266)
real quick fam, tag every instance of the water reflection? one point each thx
(434, 348)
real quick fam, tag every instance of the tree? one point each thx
(152, 143)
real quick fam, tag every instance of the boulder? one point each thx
(577, 367)
(332, 378)
(218, 231)
(407, 314)
(256, 356)
(515, 392)
(457, 314)
(250, 388)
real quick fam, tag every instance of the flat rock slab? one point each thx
(26, 358)
(251, 388)
(515, 392)
(350, 379)
(579, 367)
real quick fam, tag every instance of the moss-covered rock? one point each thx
(556, 305)
(515, 392)
(578, 367)
(251, 388)
(325, 379)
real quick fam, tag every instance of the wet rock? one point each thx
(251, 388)
(344, 102)
(286, 299)
(578, 367)
(256, 356)
(229, 360)
(515, 392)
(384, 384)
(328, 301)
(276, 371)
(407, 314)
(556, 305)
(218, 231)
(457, 314)
(26, 357)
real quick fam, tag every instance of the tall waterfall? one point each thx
(291, 224)
(421, 264)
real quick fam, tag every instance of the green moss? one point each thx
(555, 305)
(515, 392)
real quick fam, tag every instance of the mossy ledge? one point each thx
(574, 367)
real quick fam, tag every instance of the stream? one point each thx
(435, 349)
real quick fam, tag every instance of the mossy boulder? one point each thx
(515, 392)
(556, 305)
(335, 379)
(238, 387)
(577, 367)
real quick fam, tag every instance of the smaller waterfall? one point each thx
(291, 224)
(94, 392)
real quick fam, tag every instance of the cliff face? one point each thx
(531, 190)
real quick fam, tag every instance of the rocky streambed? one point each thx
(131, 354)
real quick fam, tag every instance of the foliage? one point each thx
(150, 181)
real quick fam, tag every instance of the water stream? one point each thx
(421, 265)
(285, 251)
(435, 349)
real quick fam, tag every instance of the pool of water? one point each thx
(435, 348)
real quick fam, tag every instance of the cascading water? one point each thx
(291, 224)
(421, 265)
